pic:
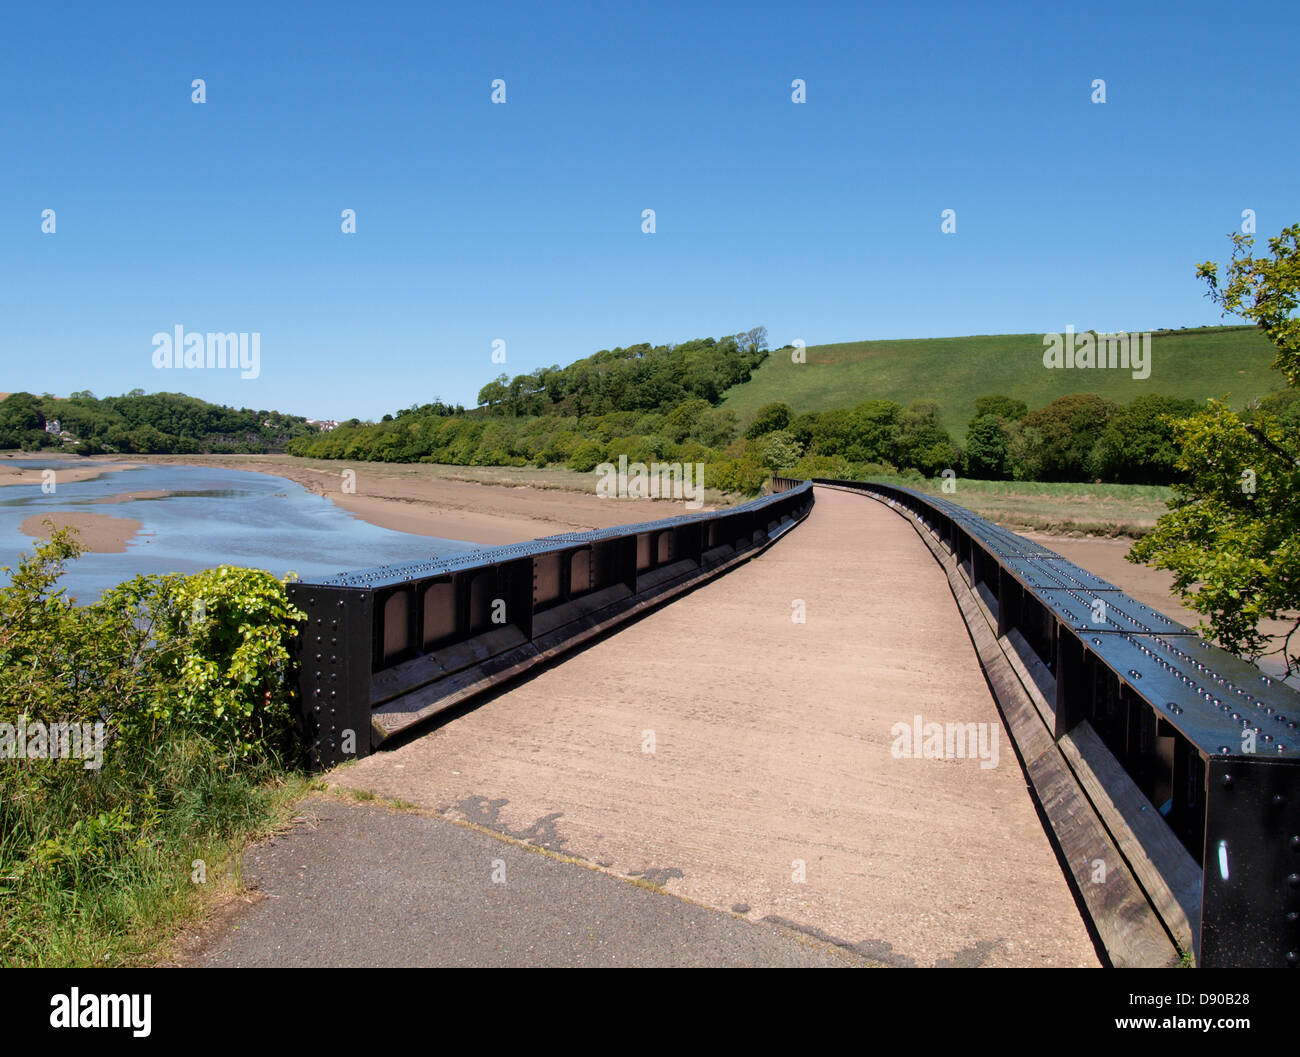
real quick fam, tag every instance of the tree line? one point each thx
(144, 424)
(532, 420)
(1081, 437)
(636, 378)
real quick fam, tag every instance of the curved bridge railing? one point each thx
(388, 647)
(1211, 742)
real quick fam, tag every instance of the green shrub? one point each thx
(744, 475)
(225, 635)
(190, 678)
(587, 456)
(835, 467)
(768, 419)
(207, 653)
(778, 450)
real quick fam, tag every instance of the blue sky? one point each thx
(522, 222)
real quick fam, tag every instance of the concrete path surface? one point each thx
(757, 765)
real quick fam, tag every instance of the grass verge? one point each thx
(109, 877)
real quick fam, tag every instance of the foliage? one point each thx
(588, 455)
(744, 474)
(1232, 535)
(768, 419)
(1232, 540)
(922, 441)
(205, 654)
(1265, 291)
(22, 425)
(143, 423)
(195, 721)
(986, 455)
(1003, 407)
(716, 428)
(648, 403)
(1283, 406)
(1138, 446)
(684, 420)
(869, 433)
(224, 637)
(1057, 441)
(640, 377)
(778, 450)
(59, 661)
(835, 467)
(641, 402)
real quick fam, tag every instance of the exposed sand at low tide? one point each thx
(13, 472)
(428, 500)
(100, 533)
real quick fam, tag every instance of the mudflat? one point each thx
(482, 504)
(14, 472)
(100, 533)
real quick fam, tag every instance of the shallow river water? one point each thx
(213, 517)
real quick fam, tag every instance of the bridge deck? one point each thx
(772, 747)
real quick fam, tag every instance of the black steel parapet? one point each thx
(1210, 740)
(387, 647)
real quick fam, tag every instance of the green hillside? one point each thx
(1211, 361)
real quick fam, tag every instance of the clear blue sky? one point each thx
(522, 222)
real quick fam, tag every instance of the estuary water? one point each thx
(210, 517)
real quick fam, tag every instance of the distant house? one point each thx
(53, 426)
(323, 425)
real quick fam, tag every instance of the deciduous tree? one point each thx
(1232, 535)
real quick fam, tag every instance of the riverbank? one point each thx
(13, 472)
(480, 504)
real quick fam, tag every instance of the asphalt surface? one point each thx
(361, 884)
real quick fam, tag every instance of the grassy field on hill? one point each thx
(1212, 361)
